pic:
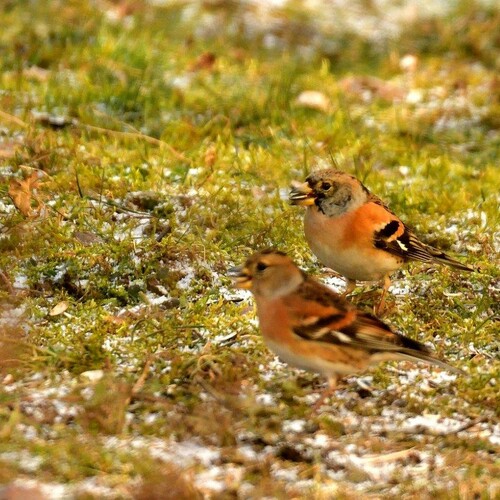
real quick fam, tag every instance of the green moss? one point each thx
(160, 169)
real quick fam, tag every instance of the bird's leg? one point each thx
(332, 382)
(350, 286)
(379, 308)
(328, 391)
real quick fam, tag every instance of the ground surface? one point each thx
(147, 147)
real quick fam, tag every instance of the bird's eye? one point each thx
(325, 186)
(261, 266)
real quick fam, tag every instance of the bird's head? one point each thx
(333, 192)
(269, 273)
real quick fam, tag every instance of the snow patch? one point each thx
(294, 426)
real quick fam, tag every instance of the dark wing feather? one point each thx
(324, 308)
(443, 258)
(364, 332)
(397, 239)
(312, 290)
(333, 320)
(368, 333)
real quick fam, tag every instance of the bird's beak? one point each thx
(301, 194)
(240, 276)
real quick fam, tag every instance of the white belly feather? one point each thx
(312, 364)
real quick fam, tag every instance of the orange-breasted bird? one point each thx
(311, 327)
(353, 232)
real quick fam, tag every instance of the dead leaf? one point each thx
(8, 149)
(86, 238)
(21, 492)
(115, 320)
(22, 192)
(258, 192)
(313, 99)
(123, 9)
(210, 155)
(59, 308)
(205, 61)
(369, 87)
(36, 73)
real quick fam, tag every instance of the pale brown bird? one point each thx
(311, 327)
(353, 232)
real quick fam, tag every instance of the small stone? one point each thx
(399, 403)
(92, 375)
(313, 99)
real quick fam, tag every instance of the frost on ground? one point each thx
(154, 359)
(377, 22)
(364, 453)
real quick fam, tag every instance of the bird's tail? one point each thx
(389, 345)
(412, 355)
(443, 258)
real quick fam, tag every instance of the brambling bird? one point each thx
(353, 232)
(311, 327)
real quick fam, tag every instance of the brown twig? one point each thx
(138, 135)
(14, 119)
(7, 283)
(466, 426)
(142, 378)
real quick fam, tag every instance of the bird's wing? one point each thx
(396, 238)
(350, 328)
(320, 315)
(315, 308)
